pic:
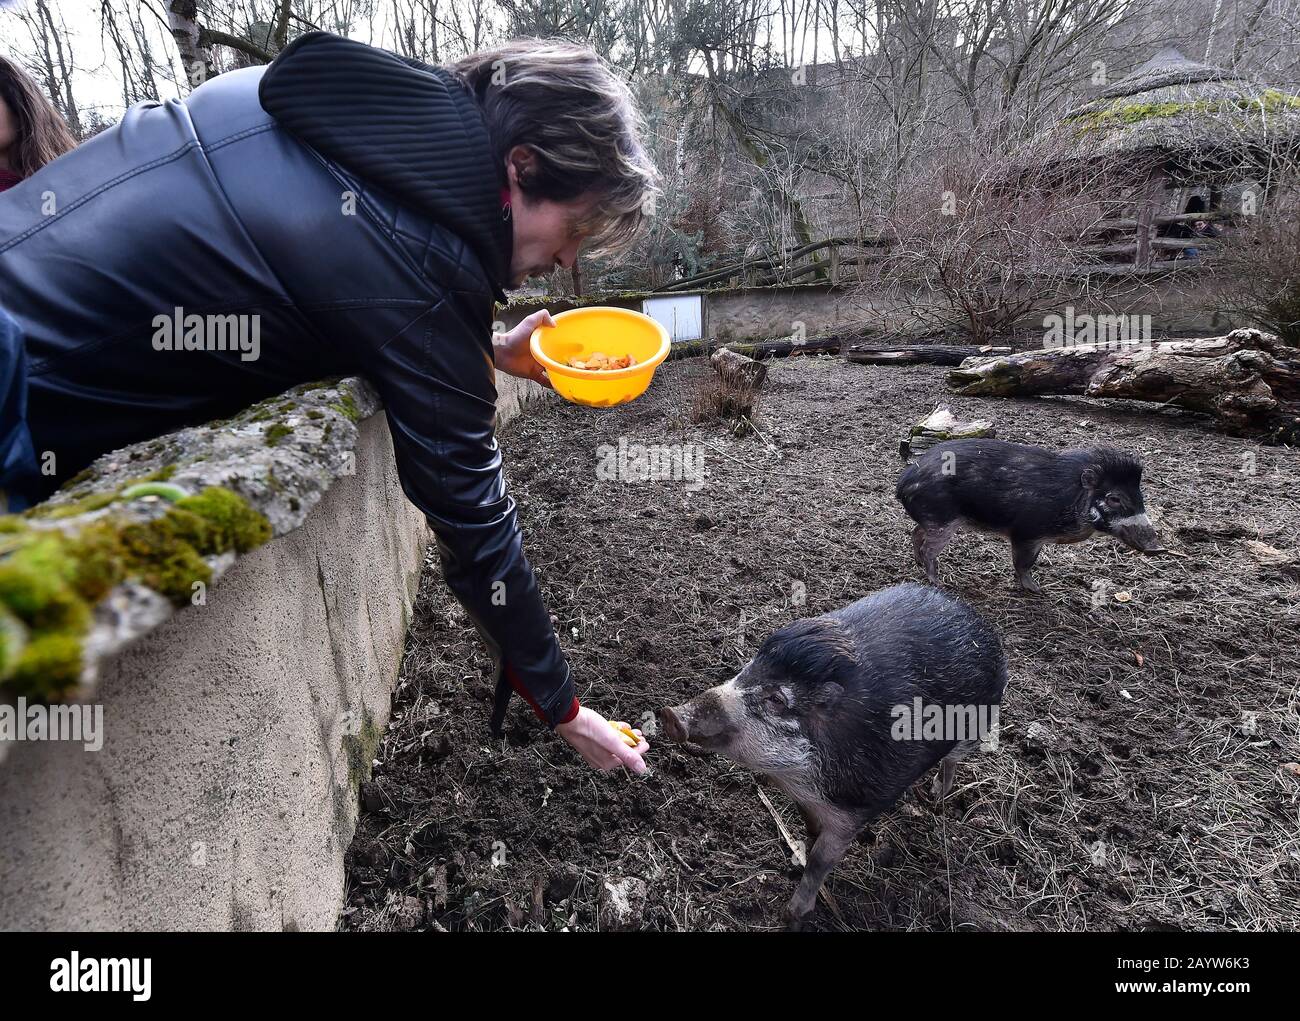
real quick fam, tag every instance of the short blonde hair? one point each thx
(580, 119)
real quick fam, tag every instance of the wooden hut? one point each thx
(1190, 144)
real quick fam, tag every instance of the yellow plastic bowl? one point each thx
(615, 331)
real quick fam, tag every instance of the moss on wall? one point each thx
(360, 748)
(347, 407)
(277, 432)
(51, 579)
(144, 485)
(166, 515)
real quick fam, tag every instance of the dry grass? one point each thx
(729, 399)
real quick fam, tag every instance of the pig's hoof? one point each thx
(796, 919)
(1030, 586)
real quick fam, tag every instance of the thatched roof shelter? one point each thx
(1190, 115)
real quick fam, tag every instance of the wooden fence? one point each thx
(822, 260)
(1122, 244)
(1139, 242)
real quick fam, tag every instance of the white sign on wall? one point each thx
(682, 316)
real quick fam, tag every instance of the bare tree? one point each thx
(985, 235)
(257, 41)
(1257, 274)
(52, 59)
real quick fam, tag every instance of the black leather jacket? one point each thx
(350, 199)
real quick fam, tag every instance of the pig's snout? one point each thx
(674, 723)
(1138, 532)
(703, 722)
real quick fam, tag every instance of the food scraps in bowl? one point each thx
(601, 362)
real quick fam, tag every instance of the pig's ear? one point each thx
(828, 694)
(1090, 478)
(816, 651)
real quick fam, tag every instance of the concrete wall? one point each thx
(746, 313)
(766, 313)
(513, 395)
(236, 734)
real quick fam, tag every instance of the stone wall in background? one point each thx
(769, 313)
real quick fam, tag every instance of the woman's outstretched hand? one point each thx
(511, 351)
(600, 745)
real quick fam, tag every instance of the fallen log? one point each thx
(1063, 369)
(1248, 381)
(766, 348)
(920, 354)
(737, 369)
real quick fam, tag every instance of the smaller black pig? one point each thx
(823, 710)
(1031, 495)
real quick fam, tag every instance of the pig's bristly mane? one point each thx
(1116, 464)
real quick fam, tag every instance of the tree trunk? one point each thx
(737, 369)
(940, 426)
(60, 87)
(196, 57)
(1247, 381)
(786, 197)
(765, 348)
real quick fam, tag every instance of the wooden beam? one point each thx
(1176, 244)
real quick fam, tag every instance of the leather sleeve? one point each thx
(438, 383)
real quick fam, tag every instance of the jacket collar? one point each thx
(409, 129)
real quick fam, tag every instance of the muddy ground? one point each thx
(1141, 780)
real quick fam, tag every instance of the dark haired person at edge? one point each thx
(368, 209)
(31, 135)
(31, 131)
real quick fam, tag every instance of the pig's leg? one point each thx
(1023, 557)
(838, 830)
(948, 768)
(930, 544)
(810, 821)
